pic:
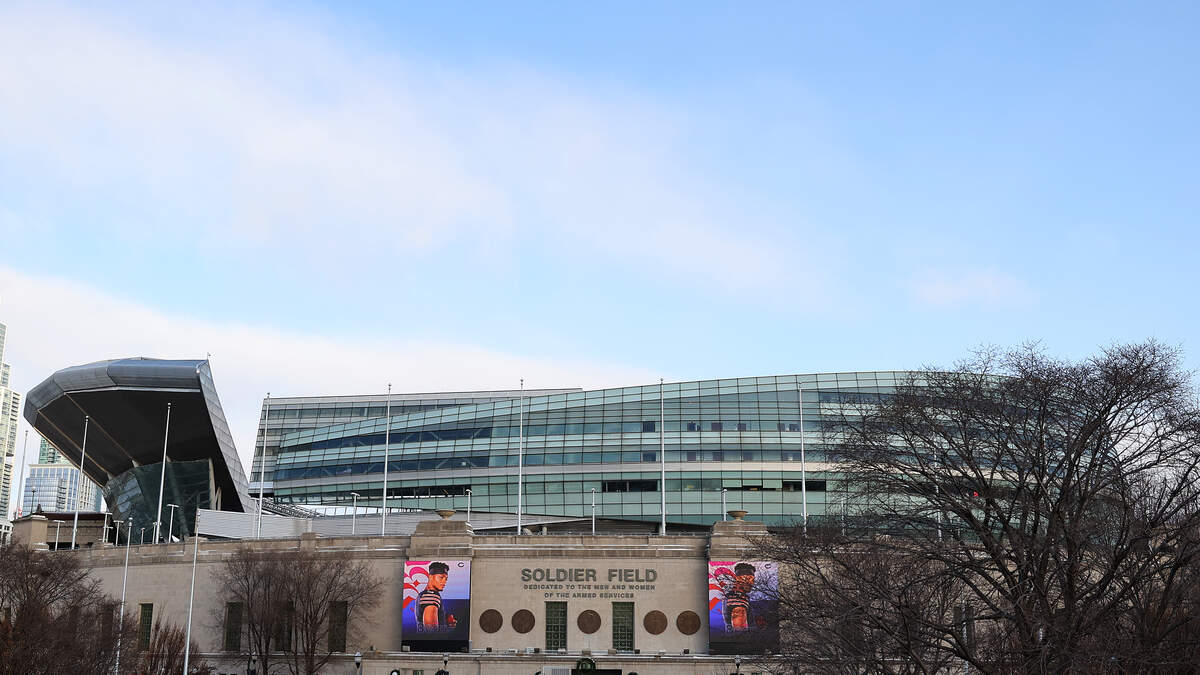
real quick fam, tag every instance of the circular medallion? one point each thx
(491, 621)
(655, 622)
(589, 621)
(688, 622)
(523, 621)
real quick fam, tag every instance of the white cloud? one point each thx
(985, 287)
(284, 138)
(54, 323)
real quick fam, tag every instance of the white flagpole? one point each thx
(187, 640)
(124, 579)
(21, 475)
(162, 476)
(803, 467)
(387, 444)
(262, 469)
(520, 454)
(662, 451)
(79, 483)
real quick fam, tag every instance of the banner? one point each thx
(742, 606)
(436, 604)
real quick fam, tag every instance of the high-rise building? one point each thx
(52, 482)
(10, 405)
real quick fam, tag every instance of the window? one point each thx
(144, 626)
(233, 626)
(337, 626)
(622, 623)
(556, 626)
(809, 486)
(283, 629)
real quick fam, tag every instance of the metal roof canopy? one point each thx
(126, 402)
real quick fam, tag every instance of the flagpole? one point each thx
(262, 468)
(520, 454)
(162, 476)
(387, 445)
(187, 640)
(662, 451)
(79, 483)
(803, 467)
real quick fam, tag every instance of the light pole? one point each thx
(162, 477)
(187, 640)
(354, 512)
(124, 579)
(143, 540)
(593, 512)
(724, 509)
(520, 455)
(358, 663)
(468, 507)
(57, 527)
(104, 535)
(171, 526)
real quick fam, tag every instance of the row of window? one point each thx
(235, 627)
(622, 626)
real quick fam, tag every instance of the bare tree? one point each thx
(53, 617)
(296, 607)
(1015, 514)
(256, 588)
(329, 596)
(165, 653)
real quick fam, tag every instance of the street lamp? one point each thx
(171, 527)
(724, 510)
(354, 512)
(358, 663)
(57, 527)
(593, 512)
(143, 541)
(468, 507)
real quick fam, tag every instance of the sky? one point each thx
(444, 196)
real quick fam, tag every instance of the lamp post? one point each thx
(104, 534)
(387, 447)
(358, 663)
(57, 527)
(593, 512)
(468, 507)
(162, 477)
(171, 526)
(354, 512)
(724, 509)
(143, 540)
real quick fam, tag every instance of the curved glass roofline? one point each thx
(630, 394)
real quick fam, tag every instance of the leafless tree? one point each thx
(256, 588)
(329, 596)
(1015, 514)
(53, 617)
(165, 653)
(296, 607)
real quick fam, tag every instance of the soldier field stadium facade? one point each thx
(558, 529)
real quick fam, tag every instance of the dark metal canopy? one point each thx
(125, 401)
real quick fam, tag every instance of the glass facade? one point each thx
(134, 494)
(742, 438)
(53, 487)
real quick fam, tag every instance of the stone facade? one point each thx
(664, 578)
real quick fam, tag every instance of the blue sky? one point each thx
(328, 197)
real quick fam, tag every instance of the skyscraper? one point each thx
(52, 482)
(10, 405)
